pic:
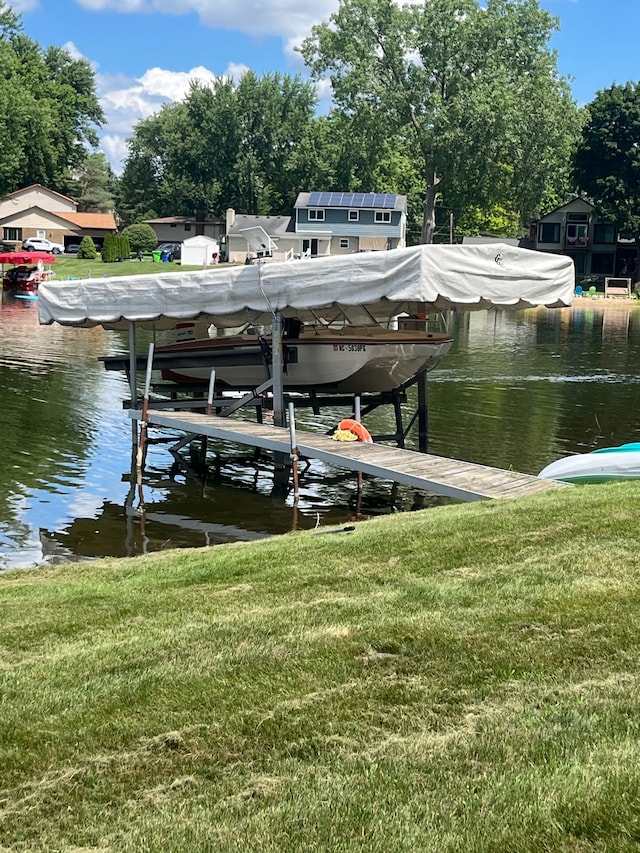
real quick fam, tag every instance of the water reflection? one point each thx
(518, 389)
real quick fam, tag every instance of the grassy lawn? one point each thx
(460, 679)
(68, 266)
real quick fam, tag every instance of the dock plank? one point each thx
(456, 478)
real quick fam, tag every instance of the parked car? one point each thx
(40, 244)
(72, 248)
(172, 250)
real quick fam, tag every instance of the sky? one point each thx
(145, 52)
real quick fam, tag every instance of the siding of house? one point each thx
(35, 196)
(575, 231)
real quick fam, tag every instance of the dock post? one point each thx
(357, 411)
(133, 385)
(145, 409)
(423, 413)
(294, 449)
(205, 441)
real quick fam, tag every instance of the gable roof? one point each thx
(23, 190)
(59, 218)
(576, 203)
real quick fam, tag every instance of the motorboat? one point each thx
(340, 300)
(352, 359)
(599, 466)
(27, 270)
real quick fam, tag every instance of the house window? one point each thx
(354, 215)
(344, 242)
(382, 216)
(12, 234)
(577, 235)
(187, 226)
(577, 217)
(604, 234)
(602, 263)
(549, 232)
(316, 215)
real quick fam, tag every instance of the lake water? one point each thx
(518, 390)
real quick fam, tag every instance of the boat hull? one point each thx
(341, 363)
(600, 466)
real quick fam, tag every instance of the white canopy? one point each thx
(382, 284)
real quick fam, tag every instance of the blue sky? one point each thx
(144, 52)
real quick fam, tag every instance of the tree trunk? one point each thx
(429, 221)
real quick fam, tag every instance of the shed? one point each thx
(199, 251)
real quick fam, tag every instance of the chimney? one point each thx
(199, 222)
(231, 218)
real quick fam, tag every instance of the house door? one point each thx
(41, 233)
(310, 245)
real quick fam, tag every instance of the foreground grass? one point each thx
(460, 679)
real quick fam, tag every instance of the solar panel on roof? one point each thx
(385, 201)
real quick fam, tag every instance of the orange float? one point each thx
(360, 431)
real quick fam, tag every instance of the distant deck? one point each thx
(464, 481)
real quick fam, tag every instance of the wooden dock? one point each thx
(464, 481)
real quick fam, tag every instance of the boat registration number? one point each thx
(350, 347)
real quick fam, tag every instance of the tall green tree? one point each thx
(607, 159)
(225, 145)
(49, 111)
(94, 185)
(474, 87)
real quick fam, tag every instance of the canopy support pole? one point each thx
(276, 370)
(133, 389)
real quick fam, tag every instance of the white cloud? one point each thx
(74, 52)
(126, 101)
(20, 6)
(291, 20)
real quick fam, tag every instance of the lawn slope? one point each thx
(459, 679)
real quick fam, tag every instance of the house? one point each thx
(199, 251)
(335, 223)
(574, 230)
(36, 211)
(175, 229)
(325, 223)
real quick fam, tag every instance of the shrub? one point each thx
(141, 237)
(87, 250)
(109, 248)
(123, 247)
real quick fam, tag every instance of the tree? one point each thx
(141, 237)
(607, 159)
(87, 250)
(225, 145)
(95, 185)
(474, 89)
(48, 110)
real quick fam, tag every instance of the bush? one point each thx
(141, 237)
(109, 248)
(123, 247)
(87, 250)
